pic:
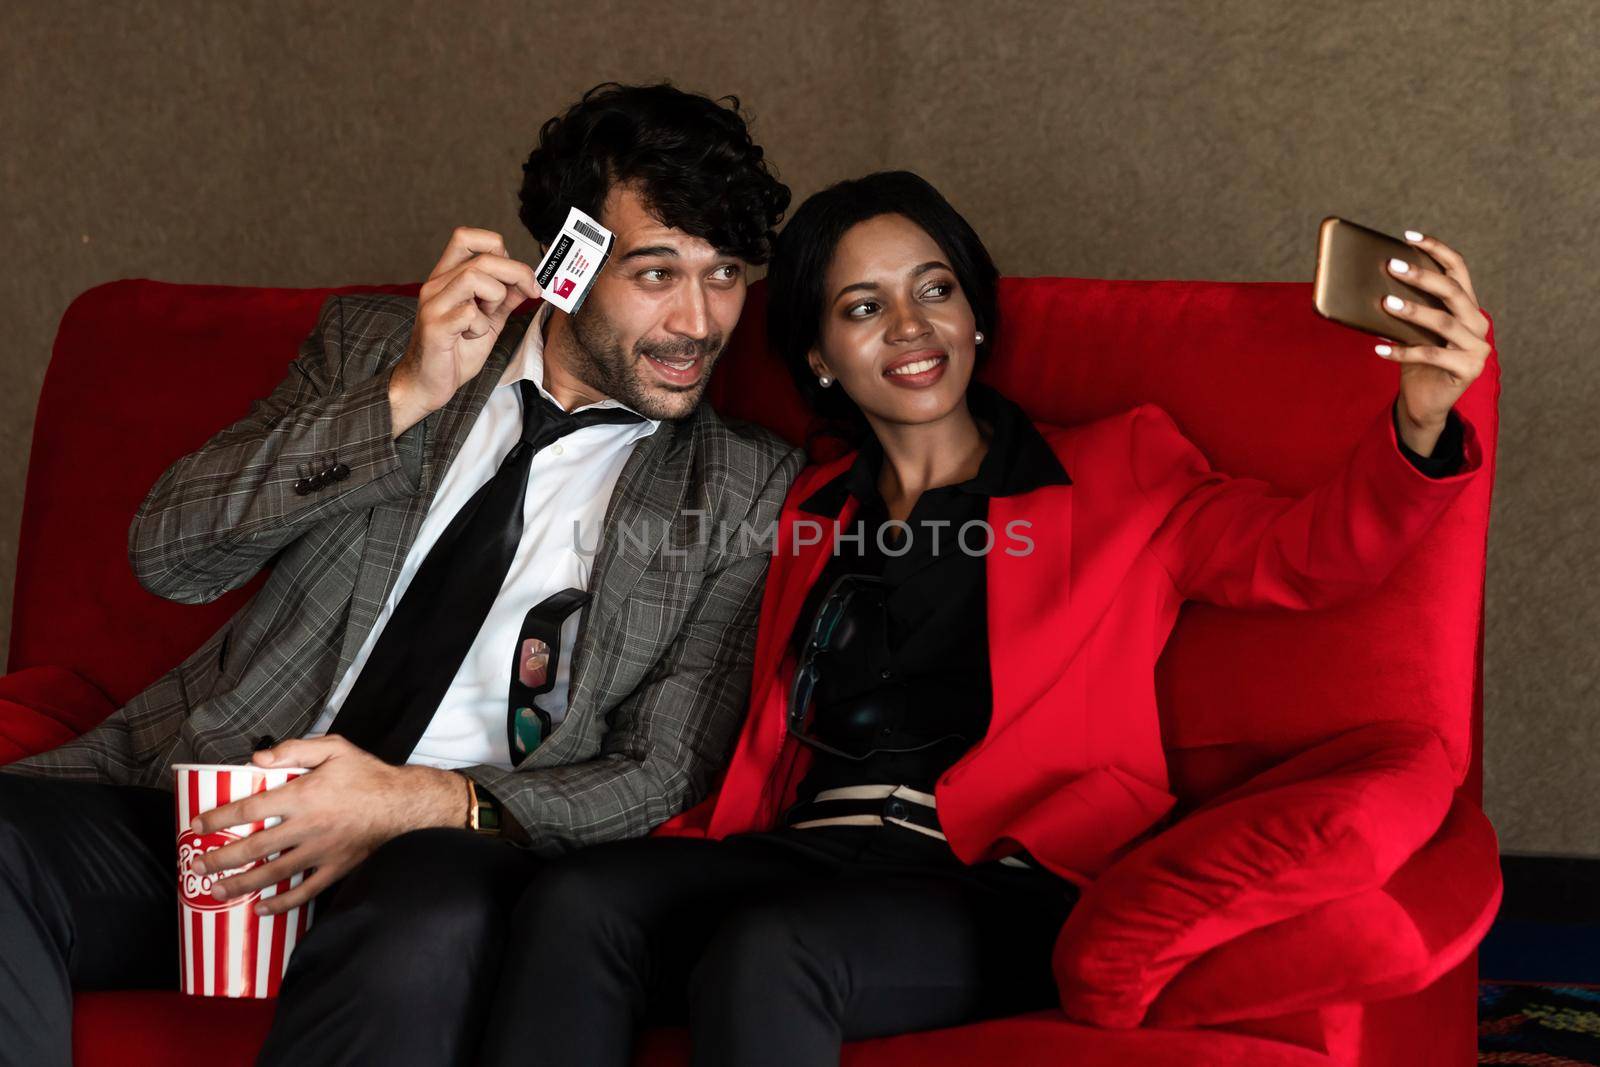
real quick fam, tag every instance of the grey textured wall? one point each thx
(296, 143)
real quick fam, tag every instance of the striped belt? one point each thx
(877, 805)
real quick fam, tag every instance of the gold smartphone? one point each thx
(1353, 278)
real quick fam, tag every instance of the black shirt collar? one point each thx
(1019, 459)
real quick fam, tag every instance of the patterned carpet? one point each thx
(1539, 967)
(1538, 1025)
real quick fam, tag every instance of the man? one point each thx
(450, 498)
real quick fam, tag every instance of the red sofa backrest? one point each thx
(144, 371)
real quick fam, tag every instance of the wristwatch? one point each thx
(483, 813)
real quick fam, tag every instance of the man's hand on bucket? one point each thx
(332, 818)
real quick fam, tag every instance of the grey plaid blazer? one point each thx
(661, 668)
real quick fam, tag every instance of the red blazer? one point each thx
(1072, 767)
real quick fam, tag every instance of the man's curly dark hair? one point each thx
(692, 156)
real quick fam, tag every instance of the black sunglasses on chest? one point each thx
(853, 609)
(533, 673)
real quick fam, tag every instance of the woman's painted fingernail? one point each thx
(1399, 266)
(1413, 235)
(1383, 350)
(1393, 303)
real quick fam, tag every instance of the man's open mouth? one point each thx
(678, 371)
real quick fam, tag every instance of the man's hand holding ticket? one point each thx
(467, 298)
(461, 310)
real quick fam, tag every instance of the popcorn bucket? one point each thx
(226, 949)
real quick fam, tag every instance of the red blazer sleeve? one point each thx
(1239, 543)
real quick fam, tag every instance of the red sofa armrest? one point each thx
(1383, 943)
(1337, 819)
(43, 707)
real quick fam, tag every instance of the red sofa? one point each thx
(1375, 967)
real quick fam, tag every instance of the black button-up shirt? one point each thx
(915, 673)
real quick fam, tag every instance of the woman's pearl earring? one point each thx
(824, 381)
(977, 338)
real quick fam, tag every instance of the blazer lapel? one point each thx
(1033, 630)
(393, 526)
(649, 495)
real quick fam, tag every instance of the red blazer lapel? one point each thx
(1032, 632)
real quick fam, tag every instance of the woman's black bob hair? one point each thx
(805, 248)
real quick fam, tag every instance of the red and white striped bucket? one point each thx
(227, 949)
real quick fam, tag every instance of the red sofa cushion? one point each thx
(1374, 945)
(43, 707)
(1335, 820)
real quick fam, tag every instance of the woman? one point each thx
(929, 773)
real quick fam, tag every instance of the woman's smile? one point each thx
(918, 369)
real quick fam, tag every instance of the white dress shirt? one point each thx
(569, 486)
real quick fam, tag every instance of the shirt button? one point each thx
(886, 674)
(897, 809)
(557, 449)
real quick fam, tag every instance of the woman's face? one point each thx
(897, 331)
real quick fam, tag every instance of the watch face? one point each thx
(488, 815)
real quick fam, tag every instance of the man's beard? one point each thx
(599, 360)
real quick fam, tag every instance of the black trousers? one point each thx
(774, 947)
(398, 966)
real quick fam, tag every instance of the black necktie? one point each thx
(422, 645)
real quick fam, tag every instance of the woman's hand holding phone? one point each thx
(1433, 377)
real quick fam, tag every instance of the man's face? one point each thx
(660, 313)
